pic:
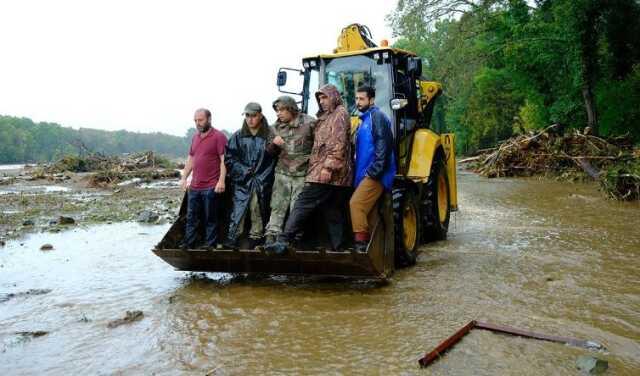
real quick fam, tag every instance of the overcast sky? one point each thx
(147, 65)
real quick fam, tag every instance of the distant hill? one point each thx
(22, 140)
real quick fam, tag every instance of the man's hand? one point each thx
(219, 186)
(325, 175)
(278, 141)
(183, 184)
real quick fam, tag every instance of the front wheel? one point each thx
(437, 203)
(406, 218)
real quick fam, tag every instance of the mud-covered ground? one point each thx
(28, 206)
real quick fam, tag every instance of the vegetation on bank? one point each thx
(513, 66)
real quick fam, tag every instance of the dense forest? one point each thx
(512, 66)
(22, 140)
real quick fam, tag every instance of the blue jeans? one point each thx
(201, 207)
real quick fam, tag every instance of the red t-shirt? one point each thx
(206, 154)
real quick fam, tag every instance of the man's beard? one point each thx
(204, 128)
(364, 108)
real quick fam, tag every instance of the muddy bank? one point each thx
(28, 206)
(540, 255)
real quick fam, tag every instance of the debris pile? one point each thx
(109, 170)
(612, 161)
(99, 162)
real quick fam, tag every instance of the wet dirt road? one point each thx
(551, 257)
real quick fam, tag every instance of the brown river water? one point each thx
(541, 255)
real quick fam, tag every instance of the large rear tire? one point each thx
(437, 204)
(407, 223)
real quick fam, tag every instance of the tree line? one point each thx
(511, 66)
(22, 140)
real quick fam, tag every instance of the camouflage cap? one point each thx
(287, 103)
(252, 108)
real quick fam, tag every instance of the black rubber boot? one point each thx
(279, 247)
(255, 243)
(231, 244)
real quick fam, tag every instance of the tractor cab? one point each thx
(394, 73)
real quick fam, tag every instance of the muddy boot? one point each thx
(231, 244)
(269, 239)
(185, 247)
(279, 247)
(256, 243)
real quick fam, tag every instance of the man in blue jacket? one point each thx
(375, 165)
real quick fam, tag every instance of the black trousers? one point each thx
(201, 208)
(330, 199)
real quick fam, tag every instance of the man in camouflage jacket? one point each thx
(330, 172)
(293, 143)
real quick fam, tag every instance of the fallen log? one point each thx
(470, 159)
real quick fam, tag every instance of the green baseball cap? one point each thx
(287, 102)
(252, 108)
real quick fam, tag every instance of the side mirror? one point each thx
(414, 66)
(282, 78)
(398, 103)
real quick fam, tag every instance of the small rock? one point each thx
(34, 334)
(147, 216)
(28, 222)
(46, 247)
(2, 243)
(6, 297)
(66, 220)
(129, 317)
(590, 365)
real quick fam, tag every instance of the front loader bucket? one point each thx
(377, 263)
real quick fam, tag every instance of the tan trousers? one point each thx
(362, 202)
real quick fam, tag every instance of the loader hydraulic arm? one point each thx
(353, 38)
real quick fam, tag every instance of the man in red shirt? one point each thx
(206, 165)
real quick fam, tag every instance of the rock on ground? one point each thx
(590, 365)
(129, 317)
(148, 216)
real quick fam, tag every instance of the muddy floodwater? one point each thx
(541, 255)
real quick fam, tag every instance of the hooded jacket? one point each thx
(332, 144)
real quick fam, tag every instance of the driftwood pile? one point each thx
(99, 162)
(108, 170)
(612, 161)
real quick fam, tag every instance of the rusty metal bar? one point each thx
(457, 336)
(446, 345)
(527, 334)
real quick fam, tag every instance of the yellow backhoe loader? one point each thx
(424, 191)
